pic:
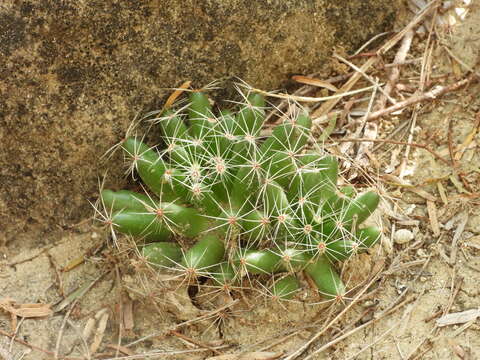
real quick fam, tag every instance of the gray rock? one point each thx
(75, 73)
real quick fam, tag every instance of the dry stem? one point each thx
(429, 95)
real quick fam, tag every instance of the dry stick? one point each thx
(299, 351)
(456, 237)
(62, 328)
(15, 334)
(366, 130)
(455, 290)
(194, 342)
(424, 74)
(414, 351)
(429, 95)
(82, 339)
(458, 60)
(58, 277)
(72, 305)
(305, 90)
(329, 105)
(310, 99)
(364, 74)
(119, 283)
(395, 72)
(449, 139)
(381, 316)
(420, 355)
(377, 340)
(392, 134)
(364, 46)
(159, 354)
(388, 141)
(184, 323)
(30, 257)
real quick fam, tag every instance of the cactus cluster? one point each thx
(251, 204)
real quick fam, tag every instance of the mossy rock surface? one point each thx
(76, 73)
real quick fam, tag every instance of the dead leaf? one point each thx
(457, 349)
(314, 82)
(127, 313)
(458, 318)
(171, 99)
(98, 337)
(26, 310)
(412, 188)
(432, 214)
(122, 349)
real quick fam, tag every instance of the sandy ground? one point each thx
(108, 306)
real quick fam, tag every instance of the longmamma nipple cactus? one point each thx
(252, 204)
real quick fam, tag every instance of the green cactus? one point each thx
(253, 206)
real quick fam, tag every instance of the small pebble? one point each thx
(403, 236)
(421, 253)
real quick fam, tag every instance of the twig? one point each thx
(395, 72)
(420, 355)
(193, 341)
(82, 339)
(309, 98)
(375, 341)
(62, 328)
(30, 257)
(15, 334)
(360, 49)
(303, 91)
(369, 130)
(78, 293)
(456, 237)
(429, 95)
(457, 285)
(424, 74)
(160, 354)
(58, 277)
(415, 350)
(421, 146)
(392, 308)
(458, 60)
(368, 78)
(466, 143)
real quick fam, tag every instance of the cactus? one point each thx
(251, 206)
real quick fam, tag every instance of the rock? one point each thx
(75, 73)
(403, 236)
